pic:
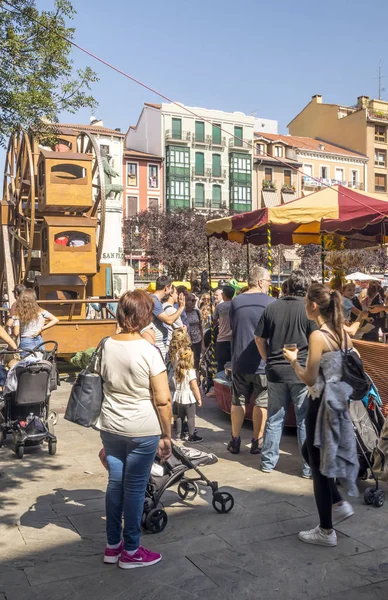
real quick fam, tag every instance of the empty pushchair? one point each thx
(25, 405)
(368, 421)
(164, 476)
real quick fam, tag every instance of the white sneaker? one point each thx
(318, 537)
(341, 512)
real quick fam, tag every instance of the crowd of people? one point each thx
(280, 352)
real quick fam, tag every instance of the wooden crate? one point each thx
(64, 182)
(60, 259)
(101, 284)
(62, 287)
(73, 336)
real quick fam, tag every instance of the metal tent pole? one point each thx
(212, 328)
(323, 257)
(269, 255)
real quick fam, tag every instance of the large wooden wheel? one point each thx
(87, 144)
(20, 192)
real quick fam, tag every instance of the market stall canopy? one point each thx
(358, 276)
(358, 216)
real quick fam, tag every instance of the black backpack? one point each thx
(353, 370)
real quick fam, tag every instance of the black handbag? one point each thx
(86, 396)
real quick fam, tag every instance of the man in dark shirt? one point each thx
(248, 369)
(284, 322)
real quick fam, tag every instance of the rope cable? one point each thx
(181, 106)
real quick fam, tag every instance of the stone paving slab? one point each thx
(52, 530)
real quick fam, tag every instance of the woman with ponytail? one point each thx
(328, 425)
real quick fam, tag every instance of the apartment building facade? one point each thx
(287, 167)
(208, 154)
(362, 127)
(143, 181)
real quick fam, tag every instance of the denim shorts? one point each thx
(244, 387)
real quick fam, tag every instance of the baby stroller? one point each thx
(164, 476)
(368, 421)
(25, 411)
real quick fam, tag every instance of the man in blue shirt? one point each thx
(248, 369)
(160, 318)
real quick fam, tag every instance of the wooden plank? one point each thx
(73, 336)
(8, 267)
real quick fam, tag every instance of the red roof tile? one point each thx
(153, 105)
(93, 128)
(307, 143)
(129, 152)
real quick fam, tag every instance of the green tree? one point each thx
(37, 76)
(177, 240)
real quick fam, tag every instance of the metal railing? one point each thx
(239, 144)
(183, 136)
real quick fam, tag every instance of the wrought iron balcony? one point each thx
(239, 144)
(199, 140)
(221, 143)
(180, 138)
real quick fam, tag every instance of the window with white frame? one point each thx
(260, 148)
(177, 157)
(241, 193)
(241, 164)
(308, 170)
(131, 174)
(104, 150)
(153, 204)
(355, 177)
(380, 158)
(279, 151)
(324, 173)
(153, 176)
(132, 204)
(179, 189)
(339, 174)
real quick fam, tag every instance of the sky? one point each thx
(266, 58)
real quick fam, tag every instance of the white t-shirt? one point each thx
(126, 368)
(183, 393)
(33, 328)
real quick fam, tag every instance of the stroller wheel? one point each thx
(188, 490)
(379, 499)
(156, 520)
(369, 496)
(19, 451)
(223, 502)
(52, 447)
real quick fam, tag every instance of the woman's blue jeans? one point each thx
(129, 464)
(30, 344)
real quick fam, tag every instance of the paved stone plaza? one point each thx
(52, 530)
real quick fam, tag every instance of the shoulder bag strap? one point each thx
(96, 354)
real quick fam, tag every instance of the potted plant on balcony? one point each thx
(269, 185)
(290, 189)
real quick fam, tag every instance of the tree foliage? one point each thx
(177, 240)
(37, 77)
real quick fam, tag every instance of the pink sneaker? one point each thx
(112, 555)
(141, 558)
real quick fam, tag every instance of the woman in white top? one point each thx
(135, 423)
(30, 320)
